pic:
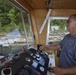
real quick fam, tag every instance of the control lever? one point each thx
(38, 46)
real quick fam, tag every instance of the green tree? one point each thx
(60, 23)
(10, 17)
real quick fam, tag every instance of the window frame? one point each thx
(48, 30)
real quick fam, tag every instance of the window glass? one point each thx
(12, 33)
(56, 29)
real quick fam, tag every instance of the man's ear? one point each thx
(75, 23)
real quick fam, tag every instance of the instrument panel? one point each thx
(32, 62)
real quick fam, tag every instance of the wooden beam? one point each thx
(34, 27)
(62, 12)
(25, 4)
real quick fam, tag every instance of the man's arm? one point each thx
(71, 70)
(63, 71)
(51, 47)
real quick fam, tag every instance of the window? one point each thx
(56, 29)
(15, 29)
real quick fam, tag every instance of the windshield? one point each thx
(13, 32)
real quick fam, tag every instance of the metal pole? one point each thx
(25, 32)
(30, 28)
(48, 31)
(45, 21)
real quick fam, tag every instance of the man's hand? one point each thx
(41, 48)
(57, 70)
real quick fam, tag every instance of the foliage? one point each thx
(10, 18)
(60, 23)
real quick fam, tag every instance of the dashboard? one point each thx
(32, 62)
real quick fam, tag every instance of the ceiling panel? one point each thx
(63, 4)
(54, 4)
(37, 4)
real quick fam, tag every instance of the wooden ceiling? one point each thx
(44, 4)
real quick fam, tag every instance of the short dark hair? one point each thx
(73, 15)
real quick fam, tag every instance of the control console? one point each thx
(31, 62)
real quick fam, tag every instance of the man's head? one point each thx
(71, 24)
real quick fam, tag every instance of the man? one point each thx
(68, 50)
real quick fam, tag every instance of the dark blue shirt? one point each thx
(68, 52)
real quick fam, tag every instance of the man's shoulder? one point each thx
(67, 35)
